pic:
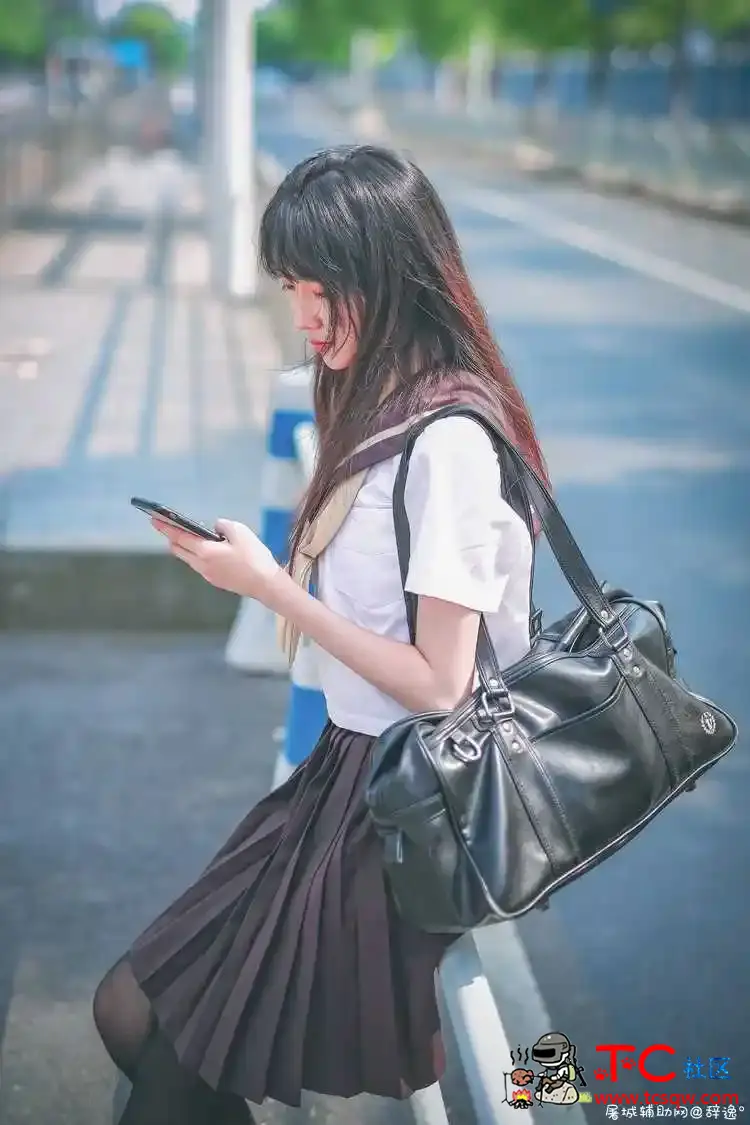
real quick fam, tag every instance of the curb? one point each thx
(112, 591)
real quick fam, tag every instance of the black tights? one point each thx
(163, 1092)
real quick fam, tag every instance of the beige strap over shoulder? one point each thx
(322, 530)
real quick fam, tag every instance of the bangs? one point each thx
(283, 252)
(309, 233)
(292, 244)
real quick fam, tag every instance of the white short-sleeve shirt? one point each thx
(467, 546)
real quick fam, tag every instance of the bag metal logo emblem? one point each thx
(708, 722)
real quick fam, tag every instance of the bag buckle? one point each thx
(615, 635)
(493, 706)
(466, 748)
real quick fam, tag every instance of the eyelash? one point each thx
(288, 286)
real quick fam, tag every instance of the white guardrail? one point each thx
(468, 1000)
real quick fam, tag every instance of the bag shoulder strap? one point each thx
(573, 565)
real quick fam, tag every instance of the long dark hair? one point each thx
(368, 226)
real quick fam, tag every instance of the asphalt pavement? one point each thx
(125, 762)
(628, 329)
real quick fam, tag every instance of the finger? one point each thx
(187, 557)
(168, 530)
(225, 528)
(186, 541)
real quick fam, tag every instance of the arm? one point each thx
(436, 673)
(456, 517)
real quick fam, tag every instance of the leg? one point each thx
(163, 1092)
(123, 1018)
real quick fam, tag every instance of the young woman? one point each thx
(286, 966)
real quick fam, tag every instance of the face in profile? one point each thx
(313, 315)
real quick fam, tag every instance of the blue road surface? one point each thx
(628, 329)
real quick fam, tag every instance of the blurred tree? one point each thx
(546, 25)
(441, 28)
(277, 40)
(22, 30)
(155, 25)
(321, 30)
(316, 31)
(644, 23)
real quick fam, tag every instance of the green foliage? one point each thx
(153, 24)
(644, 23)
(276, 36)
(320, 30)
(721, 15)
(544, 25)
(441, 28)
(22, 29)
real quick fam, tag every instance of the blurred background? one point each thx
(595, 158)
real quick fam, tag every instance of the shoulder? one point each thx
(454, 480)
(462, 531)
(456, 454)
(456, 437)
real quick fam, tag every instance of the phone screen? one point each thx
(176, 519)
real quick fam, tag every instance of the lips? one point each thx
(317, 345)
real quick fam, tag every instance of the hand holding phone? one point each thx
(244, 565)
(175, 519)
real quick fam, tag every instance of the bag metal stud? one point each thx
(708, 722)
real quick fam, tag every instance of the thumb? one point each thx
(227, 528)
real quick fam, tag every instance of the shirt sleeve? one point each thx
(457, 516)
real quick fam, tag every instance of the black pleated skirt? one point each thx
(285, 967)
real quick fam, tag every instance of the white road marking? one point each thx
(605, 246)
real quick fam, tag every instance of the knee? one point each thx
(99, 1003)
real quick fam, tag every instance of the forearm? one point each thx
(396, 668)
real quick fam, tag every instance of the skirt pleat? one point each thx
(286, 967)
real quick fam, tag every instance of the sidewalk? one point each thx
(120, 374)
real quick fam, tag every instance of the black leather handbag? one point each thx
(552, 764)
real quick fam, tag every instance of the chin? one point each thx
(339, 361)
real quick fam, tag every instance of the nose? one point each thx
(306, 317)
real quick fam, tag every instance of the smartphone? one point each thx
(151, 508)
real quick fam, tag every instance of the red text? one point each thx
(624, 1055)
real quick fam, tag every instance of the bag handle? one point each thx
(573, 565)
